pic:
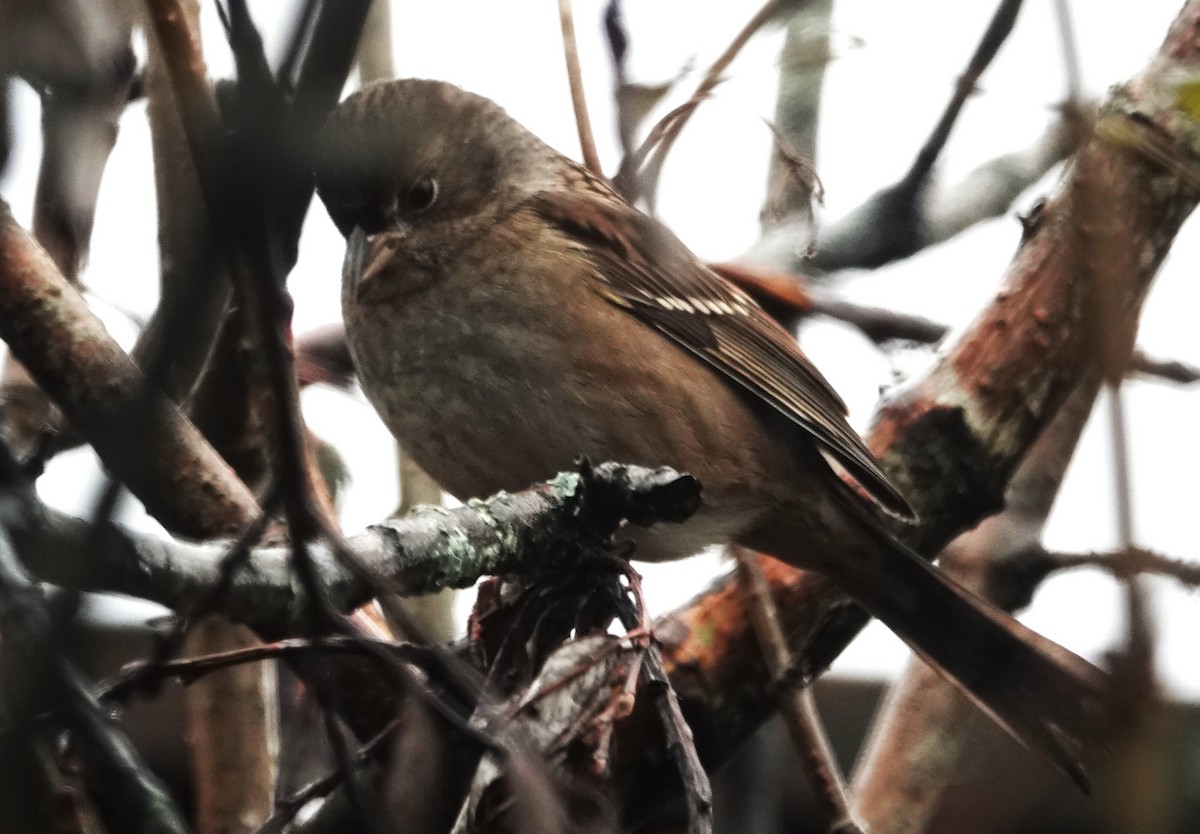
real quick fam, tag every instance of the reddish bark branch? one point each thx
(953, 439)
(897, 789)
(142, 438)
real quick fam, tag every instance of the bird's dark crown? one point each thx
(389, 136)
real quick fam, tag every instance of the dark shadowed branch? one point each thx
(126, 795)
(230, 716)
(914, 213)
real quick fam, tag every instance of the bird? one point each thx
(508, 312)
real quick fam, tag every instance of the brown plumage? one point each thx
(507, 312)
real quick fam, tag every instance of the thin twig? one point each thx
(795, 699)
(141, 675)
(287, 808)
(994, 36)
(1140, 631)
(645, 183)
(1070, 52)
(587, 142)
(628, 177)
(1131, 562)
(681, 745)
(231, 562)
(1169, 370)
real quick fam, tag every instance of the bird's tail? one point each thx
(1047, 697)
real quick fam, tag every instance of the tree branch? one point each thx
(428, 550)
(127, 796)
(925, 712)
(952, 439)
(141, 437)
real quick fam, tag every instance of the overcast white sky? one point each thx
(894, 67)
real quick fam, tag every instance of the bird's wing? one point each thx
(643, 268)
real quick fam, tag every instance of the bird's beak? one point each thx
(369, 259)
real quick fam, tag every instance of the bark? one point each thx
(952, 439)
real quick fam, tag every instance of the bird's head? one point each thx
(408, 166)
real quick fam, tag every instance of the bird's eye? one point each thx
(422, 194)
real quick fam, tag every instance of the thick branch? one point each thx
(792, 184)
(142, 438)
(428, 550)
(924, 711)
(952, 440)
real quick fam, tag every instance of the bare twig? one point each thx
(143, 675)
(1070, 53)
(894, 215)
(997, 32)
(1164, 369)
(230, 562)
(626, 180)
(1123, 563)
(681, 745)
(795, 699)
(644, 182)
(587, 142)
(288, 807)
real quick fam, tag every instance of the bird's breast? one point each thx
(511, 366)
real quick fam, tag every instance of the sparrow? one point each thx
(508, 312)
